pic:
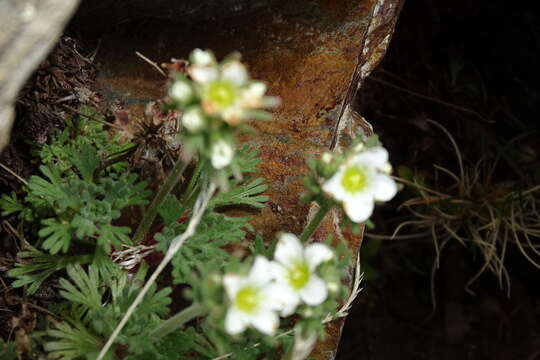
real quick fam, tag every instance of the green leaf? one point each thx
(86, 160)
(74, 341)
(49, 191)
(10, 204)
(57, 235)
(113, 236)
(7, 350)
(242, 194)
(171, 210)
(247, 159)
(84, 226)
(213, 233)
(84, 288)
(38, 266)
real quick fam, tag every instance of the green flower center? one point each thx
(354, 179)
(299, 275)
(247, 299)
(222, 93)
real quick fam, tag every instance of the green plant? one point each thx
(116, 301)
(78, 200)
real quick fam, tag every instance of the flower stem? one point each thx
(315, 221)
(178, 320)
(150, 214)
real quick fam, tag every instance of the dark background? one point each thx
(481, 56)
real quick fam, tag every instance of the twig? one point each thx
(432, 99)
(14, 174)
(176, 244)
(355, 291)
(456, 148)
(154, 64)
(397, 237)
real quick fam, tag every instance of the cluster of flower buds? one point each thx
(215, 98)
(277, 287)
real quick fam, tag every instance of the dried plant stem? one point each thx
(153, 63)
(17, 176)
(176, 244)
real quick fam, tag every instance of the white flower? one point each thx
(181, 91)
(221, 154)
(193, 119)
(253, 300)
(202, 58)
(203, 74)
(360, 181)
(253, 95)
(327, 158)
(235, 72)
(294, 271)
(233, 115)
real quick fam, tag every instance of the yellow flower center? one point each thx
(354, 179)
(247, 299)
(299, 275)
(222, 93)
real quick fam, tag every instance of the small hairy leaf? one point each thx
(242, 194)
(213, 233)
(10, 204)
(57, 235)
(86, 160)
(38, 266)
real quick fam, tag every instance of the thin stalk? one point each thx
(176, 244)
(315, 221)
(150, 214)
(178, 320)
(194, 177)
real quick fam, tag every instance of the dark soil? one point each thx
(61, 84)
(472, 67)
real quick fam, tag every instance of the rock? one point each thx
(28, 30)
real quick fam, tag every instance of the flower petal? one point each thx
(266, 322)
(288, 249)
(181, 91)
(315, 291)
(222, 154)
(202, 57)
(235, 321)
(384, 187)
(359, 208)
(334, 187)
(260, 273)
(278, 271)
(233, 115)
(376, 157)
(203, 74)
(281, 297)
(232, 284)
(256, 89)
(193, 119)
(316, 254)
(234, 72)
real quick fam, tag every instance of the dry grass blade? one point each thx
(473, 210)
